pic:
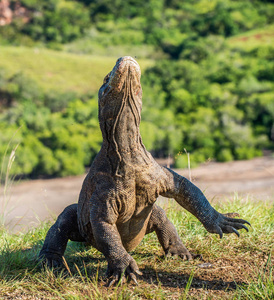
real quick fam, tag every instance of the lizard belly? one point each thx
(133, 231)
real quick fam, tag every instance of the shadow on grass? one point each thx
(180, 280)
(15, 264)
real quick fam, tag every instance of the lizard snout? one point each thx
(126, 69)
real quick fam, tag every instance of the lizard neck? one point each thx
(122, 141)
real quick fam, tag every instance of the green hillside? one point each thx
(207, 78)
(253, 39)
(58, 70)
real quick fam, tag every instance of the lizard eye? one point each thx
(106, 78)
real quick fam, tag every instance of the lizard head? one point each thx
(125, 70)
(120, 104)
(121, 88)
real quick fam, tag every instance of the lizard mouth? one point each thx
(128, 61)
(126, 69)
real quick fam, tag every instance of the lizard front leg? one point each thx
(65, 228)
(192, 199)
(167, 234)
(103, 217)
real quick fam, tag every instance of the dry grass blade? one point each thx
(8, 180)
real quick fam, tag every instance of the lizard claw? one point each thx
(120, 275)
(178, 250)
(117, 280)
(197, 256)
(225, 223)
(51, 260)
(139, 272)
(111, 283)
(133, 278)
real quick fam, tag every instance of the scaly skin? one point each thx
(116, 205)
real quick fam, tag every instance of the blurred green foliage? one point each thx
(57, 138)
(51, 21)
(210, 91)
(222, 107)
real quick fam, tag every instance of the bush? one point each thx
(181, 161)
(57, 21)
(18, 88)
(195, 158)
(49, 140)
(69, 164)
(224, 155)
(246, 153)
(205, 94)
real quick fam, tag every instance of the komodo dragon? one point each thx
(116, 205)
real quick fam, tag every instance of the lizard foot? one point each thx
(51, 260)
(226, 223)
(179, 250)
(120, 274)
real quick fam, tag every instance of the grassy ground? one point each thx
(58, 70)
(86, 45)
(232, 268)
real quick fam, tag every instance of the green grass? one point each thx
(253, 38)
(58, 70)
(87, 45)
(241, 268)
